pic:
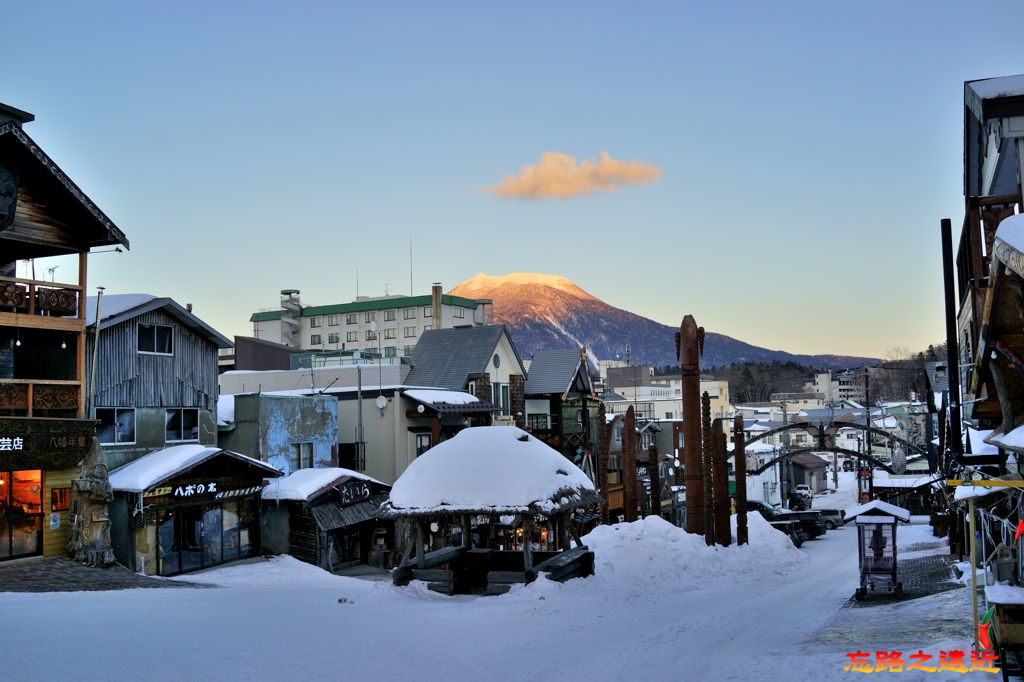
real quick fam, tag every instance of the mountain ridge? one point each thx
(550, 312)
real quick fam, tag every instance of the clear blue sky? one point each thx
(807, 150)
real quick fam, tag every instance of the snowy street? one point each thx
(661, 606)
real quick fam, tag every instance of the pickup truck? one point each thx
(810, 521)
(833, 518)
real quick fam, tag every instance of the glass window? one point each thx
(428, 327)
(409, 314)
(213, 543)
(390, 333)
(333, 338)
(458, 312)
(390, 351)
(428, 312)
(155, 338)
(409, 332)
(167, 550)
(314, 322)
(191, 537)
(181, 424)
(389, 315)
(422, 443)
(229, 517)
(352, 318)
(407, 351)
(370, 349)
(314, 340)
(300, 456)
(117, 425)
(351, 336)
(333, 320)
(371, 316)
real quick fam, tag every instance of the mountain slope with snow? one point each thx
(548, 312)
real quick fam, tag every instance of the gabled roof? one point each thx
(102, 231)
(557, 372)
(448, 358)
(877, 507)
(116, 308)
(809, 461)
(150, 470)
(305, 484)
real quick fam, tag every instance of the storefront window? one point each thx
(229, 517)
(168, 553)
(191, 520)
(198, 536)
(21, 508)
(212, 531)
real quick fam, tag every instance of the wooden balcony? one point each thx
(35, 304)
(30, 397)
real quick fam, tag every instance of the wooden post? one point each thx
(723, 532)
(435, 429)
(527, 539)
(687, 347)
(603, 444)
(467, 537)
(740, 457)
(653, 470)
(80, 351)
(629, 481)
(707, 460)
(421, 559)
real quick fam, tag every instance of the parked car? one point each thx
(803, 489)
(766, 510)
(810, 521)
(793, 529)
(833, 518)
(848, 465)
(799, 502)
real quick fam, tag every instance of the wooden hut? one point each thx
(486, 475)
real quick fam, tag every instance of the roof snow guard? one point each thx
(490, 470)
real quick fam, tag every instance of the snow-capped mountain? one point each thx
(548, 312)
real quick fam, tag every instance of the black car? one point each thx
(848, 465)
(799, 502)
(767, 511)
(810, 521)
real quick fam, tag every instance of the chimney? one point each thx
(188, 307)
(435, 299)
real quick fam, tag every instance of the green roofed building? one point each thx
(388, 325)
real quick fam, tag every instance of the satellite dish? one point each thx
(382, 402)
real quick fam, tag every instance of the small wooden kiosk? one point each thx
(483, 476)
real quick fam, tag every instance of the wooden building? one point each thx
(44, 425)
(327, 517)
(156, 375)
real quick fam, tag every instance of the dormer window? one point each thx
(156, 338)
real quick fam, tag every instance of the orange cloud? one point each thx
(557, 176)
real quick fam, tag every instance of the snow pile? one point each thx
(303, 484)
(654, 555)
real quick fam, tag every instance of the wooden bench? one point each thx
(403, 573)
(500, 582)
(577, 562)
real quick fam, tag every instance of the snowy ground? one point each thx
(662, 606)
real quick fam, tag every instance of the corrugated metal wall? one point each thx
(127, 378)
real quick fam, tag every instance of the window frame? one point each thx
(315, 339)
(390, 314)
(409, 314)
(181, 424)
(352, 318)
(409, 332)
(390, 333)
(314, 322)
(154, 327)
(351, 337)
(117, 411)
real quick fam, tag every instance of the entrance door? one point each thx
(21, 513)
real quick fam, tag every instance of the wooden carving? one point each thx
(12, 295)
(58, 302)
(54, 397)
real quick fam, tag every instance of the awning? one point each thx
(331, 515)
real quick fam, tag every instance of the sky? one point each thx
(778, 170)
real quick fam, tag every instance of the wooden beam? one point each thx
(61, 324)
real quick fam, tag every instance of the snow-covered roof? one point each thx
(877, 505)
(147, 471)
(966, 492)
(1014, 440)
(1003, 86)
(225, 410)
(114, 304)
(303, 484)
(490, 469)
(1011, 232)
(882, 479)
(436, 397)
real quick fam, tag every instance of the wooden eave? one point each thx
(89, 226)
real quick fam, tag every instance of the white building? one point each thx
(389, 325)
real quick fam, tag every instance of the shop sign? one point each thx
(158, 491)
(354, 492)
(16, 443)
(241, 492)
(195, 489)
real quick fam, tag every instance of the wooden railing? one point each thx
(37, 297)
(17, 395)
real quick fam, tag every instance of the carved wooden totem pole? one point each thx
(90, 525)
